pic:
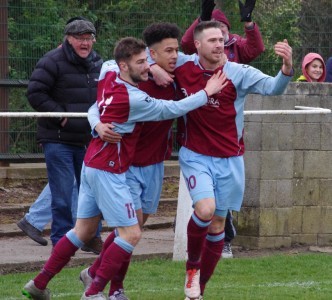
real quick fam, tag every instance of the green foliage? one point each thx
(36, 27)
(277, 21)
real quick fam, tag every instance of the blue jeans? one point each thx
(40, 212)
(63, 162)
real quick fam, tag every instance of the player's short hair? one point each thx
(201, 26)
(156, 32)
(127, 47)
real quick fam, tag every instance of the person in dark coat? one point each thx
(65, 80)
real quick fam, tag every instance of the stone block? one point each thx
(276, 193)
(253, 102)
(326, 220)
(274, 222)
(274, 242)
(285, 136)
(306, 88)
(325, 192)
(324, 240)
(3, 173)
(316, 164)
(310, 100)
(268, 193)
(252, 162)
(251, 193)
(284, 197)
(279, 102)
(245, 241)
(305, 191)
(26, 173)
(279, 118)
(304, 239)
(247, 221)
(172, 170)
(295, 220)
(311, 223)
(253, 136)
(326, 136)
(316, 101)
(326, 101)
(269, 136)
(298, 164)
(307, 136)
(277, 164)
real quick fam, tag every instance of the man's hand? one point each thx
(106, 133)
(207, 8)
(246, 10)
(160, 76)
(216, 83)
(283, 50)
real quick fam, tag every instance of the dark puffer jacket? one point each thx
(64, 82)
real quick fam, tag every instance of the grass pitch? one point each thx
(298, 276)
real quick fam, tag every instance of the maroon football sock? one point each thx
(94, 267)
(117, 281)
(196, 237)
(61, 254)
(210, 256)
(111, 263)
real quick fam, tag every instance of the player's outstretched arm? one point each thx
(283, 50)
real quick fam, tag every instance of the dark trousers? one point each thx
(230, 231)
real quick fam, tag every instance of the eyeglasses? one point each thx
(82, 39)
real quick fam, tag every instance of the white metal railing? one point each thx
(299, 110)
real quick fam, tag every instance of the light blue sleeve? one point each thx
(145, 108)
(94, 118)
(108, 66)
(249, 80)
(182, 58)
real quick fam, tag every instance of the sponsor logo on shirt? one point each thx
(211, 100)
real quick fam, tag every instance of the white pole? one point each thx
(183, 214)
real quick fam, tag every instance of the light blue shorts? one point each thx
(145, 186)
(106, 193)
(214, 177)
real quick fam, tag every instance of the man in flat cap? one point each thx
(65, 80)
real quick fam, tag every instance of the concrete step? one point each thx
(38, 171)
(153, 223)
(163, 219)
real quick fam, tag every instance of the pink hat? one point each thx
(218, 15)
(307, 60)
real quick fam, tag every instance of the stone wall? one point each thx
(288, 197)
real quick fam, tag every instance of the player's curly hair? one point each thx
(127, 47)
(156, 32)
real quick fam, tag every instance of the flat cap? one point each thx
(80, 27)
